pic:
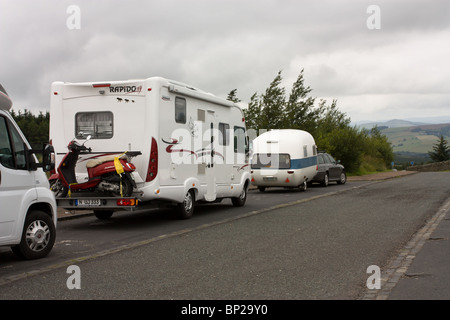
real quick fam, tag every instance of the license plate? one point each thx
(269, 178)
(88, 203)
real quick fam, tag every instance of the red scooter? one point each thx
(110, 174)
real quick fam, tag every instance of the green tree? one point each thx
(378, 146)
(299, 111)
(441, 151)
(329, 126)
(252, 113)
(35, 128)
(272, 105)
(233, 97)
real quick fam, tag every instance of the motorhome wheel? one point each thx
(186, 208)
(240, 201)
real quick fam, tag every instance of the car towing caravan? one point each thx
(28, 213)
(193, 144)
(283, 158)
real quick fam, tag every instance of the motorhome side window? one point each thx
(224, 129)
(239, 140)
(180, 110)
(99, 125)
(12, 148)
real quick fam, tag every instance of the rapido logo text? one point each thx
(126, 89)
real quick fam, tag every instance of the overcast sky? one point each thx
(400, 70)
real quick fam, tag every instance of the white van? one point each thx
(193, 144)
(28, 213)
(283, 158)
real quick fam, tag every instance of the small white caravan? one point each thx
(193, 144)
(283, 158)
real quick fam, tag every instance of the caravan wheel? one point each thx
(304, 186)
(186, 208)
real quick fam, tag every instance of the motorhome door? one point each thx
(209, 140)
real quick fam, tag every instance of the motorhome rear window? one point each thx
(271, 161)
(180, 110)
(99, 125)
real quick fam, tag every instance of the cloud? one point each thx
(223, 45)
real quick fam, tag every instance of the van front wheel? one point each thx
(186, 208)
(38, 236)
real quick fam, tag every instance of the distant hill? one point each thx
(395, 123)
(419, 139)
(411, 140)
(398, 123)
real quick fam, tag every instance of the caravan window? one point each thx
(180, 110)
(97, 124)
(271, 161)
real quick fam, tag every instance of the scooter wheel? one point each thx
(127, 188)
(59, 190)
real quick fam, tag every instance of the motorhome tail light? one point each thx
(153, 162)
(127, 202)
(290, 171)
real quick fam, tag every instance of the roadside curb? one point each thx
(398, 267)
(381, 176)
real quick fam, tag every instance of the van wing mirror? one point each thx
(48, 158)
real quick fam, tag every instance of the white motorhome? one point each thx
(193, 144)
(283, 158)
(28, 213)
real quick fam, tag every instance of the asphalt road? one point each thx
(283, 244)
